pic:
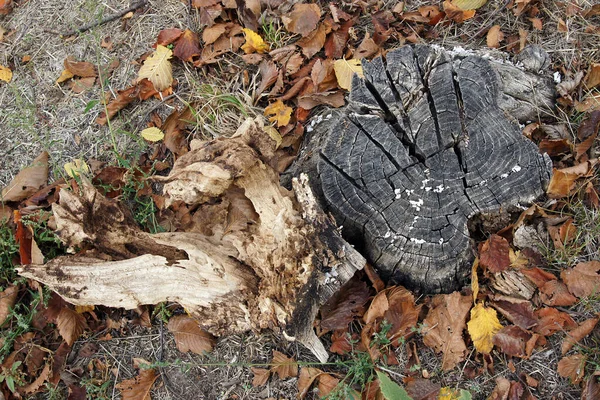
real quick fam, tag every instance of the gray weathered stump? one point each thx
(429, 140)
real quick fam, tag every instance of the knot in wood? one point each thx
(422, 148)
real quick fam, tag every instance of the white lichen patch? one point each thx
(441, 241)
(557, 77)
(416, 204)
(424, 183)
(398, 193)
(439, 189)
(516, 168)
(417, 241)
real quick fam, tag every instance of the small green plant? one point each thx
(162, 312)
(273, 33)
(380, 338)
(9, 249)
(48, 242)
(97, 389)
(53, 392)
(13, 376)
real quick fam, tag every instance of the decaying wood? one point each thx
(429, 139)
(253, 255)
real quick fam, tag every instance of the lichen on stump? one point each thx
(422, 147)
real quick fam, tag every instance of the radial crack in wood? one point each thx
(252, 255)
(423, 146)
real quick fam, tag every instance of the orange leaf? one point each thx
(187, 46)
(592, 79)
(124, 97)
(550, 321)
(281, 113)
(261, 375)
(494, 37)
(80, 68)
(577, 334)
(70, 325)
(168, 36)
(511, 340)
(555, 293)
(139, 387)
(572, 367)
(494, 254)
(283, 365)
(303, 19)
(584, 279)
(327, 384)
(189, 336)
(5, 7)
(456, 14)
(306, 379)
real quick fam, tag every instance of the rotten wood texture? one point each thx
(429, 139)
(253, 254)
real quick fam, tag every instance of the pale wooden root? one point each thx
(254, 256)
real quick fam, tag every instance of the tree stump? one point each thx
(427, 142)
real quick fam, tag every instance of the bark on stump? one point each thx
(429, 139)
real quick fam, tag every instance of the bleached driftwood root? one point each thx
(253, 255)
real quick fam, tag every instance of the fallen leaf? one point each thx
(390, 389)
(511, 340)
(336, 42)
(494, 254)
(494, 37)
(563, 180)
(517, 311)
(81, 85)
(340, 342)
(592, 78)
(80, 68)
(344, 70)
(562, 26)
(65, 75)
(187, 46)
(76, 167)
(38, 382)
(70, 325)
(254, 43)
(367, 48)
(28, 180)
(5, 7)
(591, 390)
(279, 113)
(333, 99)
(346, 304)
(306, 379)
(261, 376)
(444, 325)
(501, 390)
(313, 43)
(283, 365)
(577, 334)
(482, 327)
(268, 73)
(469, 4)
(475, 280)
(550, 321)
(189, 336)
(584, 279)
(555, 293)
(139, 387)
(157, 68)
(456, 14)
(152, 134)
(536, 23)
(7, 301)
(124, 97)
(572, 367)
(303, 19)
(168, 36)
(423, 389)
(212, 33)
(5, 74)
(327, 384)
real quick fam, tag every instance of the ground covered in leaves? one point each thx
(142, 83)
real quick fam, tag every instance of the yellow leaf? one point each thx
(153, 134)
(280, 113)
(274, 134)
(345, 69)
(76, 168)
(65, 75)
(468, 4)
(475, 280)
(157, 68)
(254, 43)
(482, 327)
(447, 393)
(82, 309)
(517, 260)
(5, 74)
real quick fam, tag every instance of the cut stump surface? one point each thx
(426, 144)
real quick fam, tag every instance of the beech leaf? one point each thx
(345, 69)
(283, 365)
(157, 68)
(572, 367)
(153, 134)
(469, 4)
(139, 387)
(189, 336)
(261, 375)
(76, 168)
(254, 43)
(5, 74)
(303, 19)
(482, 327)
(70, 324)
(7, 301)
(280, 113)
(28, 180)
(187, 46)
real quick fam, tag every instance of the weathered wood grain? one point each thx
(422, 147)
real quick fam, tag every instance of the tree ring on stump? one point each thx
(422, 147)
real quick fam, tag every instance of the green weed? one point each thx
(9, 250)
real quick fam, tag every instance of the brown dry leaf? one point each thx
(423, 389)
(444, 327)
(577, 334)
(517, 311)
(538, 276)
(572, 367)
(268, 73)
(139, 387)
(550, 321)
(511, 340)
(345, 70)
(494, 254)
(189, 336)
(592, 78)
(28, 180)
(333, 99)
(7, 301)
(303, 19)
(482, 326)
(456, 14)
(584, 279)
(335, 46)
(306, 379)
(367, 48)
(70, 325)
(81, 85)
(402, 313)
(536, 23)
(563, 180)
(187, 47)
(562, 26)
(346, 304)
(261, 376)
(494, 37)
(5, 7)
(124, 97)
(212, 33)
(168, 36)
(555, 293)
(65, 75)
(340, 342)
(157, 69)
(283, 365)
(38, 382)
(591, 390)
(80, 68)
(327, 384)
(314, 42)
(279, 113)
(293, 63)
